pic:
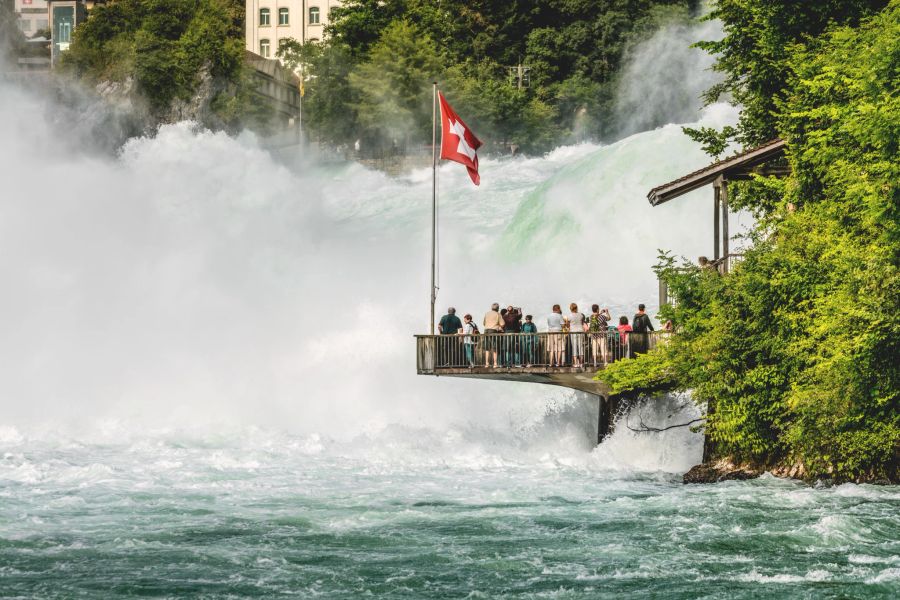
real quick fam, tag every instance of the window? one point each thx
(64, 33)
(25, 24)
(313, 15)
(283, 18)
(263, 17)
(264, 48)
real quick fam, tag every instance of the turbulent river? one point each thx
(207, 383)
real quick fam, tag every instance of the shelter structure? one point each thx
(767, 159)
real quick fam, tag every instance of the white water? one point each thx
(196, 282)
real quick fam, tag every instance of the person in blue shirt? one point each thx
(449, 351)
(450, 323)
(529, 341)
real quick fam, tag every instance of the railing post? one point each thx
(425, 354)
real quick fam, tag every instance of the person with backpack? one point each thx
(641, 326)
(597, 327)
(469, 331)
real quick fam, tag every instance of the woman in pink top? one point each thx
(624, 328)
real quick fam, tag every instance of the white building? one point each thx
(33, 16)
(269, 21)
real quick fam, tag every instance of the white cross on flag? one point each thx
(458, 143)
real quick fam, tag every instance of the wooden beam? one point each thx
(717, 194)
(725, 234)
(734, 165)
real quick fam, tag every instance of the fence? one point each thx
(541, 351)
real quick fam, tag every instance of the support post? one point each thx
(433, 198)
(725, 235)
(717, 194)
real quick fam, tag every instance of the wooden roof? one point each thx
(739, 164)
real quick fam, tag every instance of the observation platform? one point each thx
(568, 360)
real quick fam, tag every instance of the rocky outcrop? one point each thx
(124, 97)
(723, 470)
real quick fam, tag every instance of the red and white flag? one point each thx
(458, 143)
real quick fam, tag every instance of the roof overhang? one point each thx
(733, 167)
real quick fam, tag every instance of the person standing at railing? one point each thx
(556, 342)
(598, 327)
(624, 328)
(512, 323)
(529, 342)
(641, 326)
(448, 348)
(493, 324)
(450, 323)
(577, 328)
(470, 330)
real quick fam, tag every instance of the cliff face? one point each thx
(124, 98)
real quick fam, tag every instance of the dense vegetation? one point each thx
(11, 39)
(797, 351)
(371, 78)
(164, 46)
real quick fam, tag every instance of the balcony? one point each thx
(564, 359)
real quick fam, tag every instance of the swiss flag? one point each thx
(458, 143)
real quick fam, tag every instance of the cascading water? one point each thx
(207, 383)
(195, 279)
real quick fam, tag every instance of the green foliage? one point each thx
(394, 83)
(755, 51)
(797, 348)
(12, 41)
(329, 101)
(573, 48)
(714, 142)
(162, 44)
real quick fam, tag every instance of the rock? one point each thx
(720, 471)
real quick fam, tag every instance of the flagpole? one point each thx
(433, 198)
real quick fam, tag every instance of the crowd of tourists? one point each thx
(572, 333)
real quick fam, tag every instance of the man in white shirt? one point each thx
(557, 341)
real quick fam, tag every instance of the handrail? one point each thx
(534, 351)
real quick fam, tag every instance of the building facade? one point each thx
(64, 16)
(33, 16)
(270, 21)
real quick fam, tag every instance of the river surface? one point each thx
(255, 513)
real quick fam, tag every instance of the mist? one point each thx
(192, 279)
(664, 78)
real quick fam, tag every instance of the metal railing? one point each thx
(534, 351)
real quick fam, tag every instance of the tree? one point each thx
(394, 84)
(796, 349)
(753, 54)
